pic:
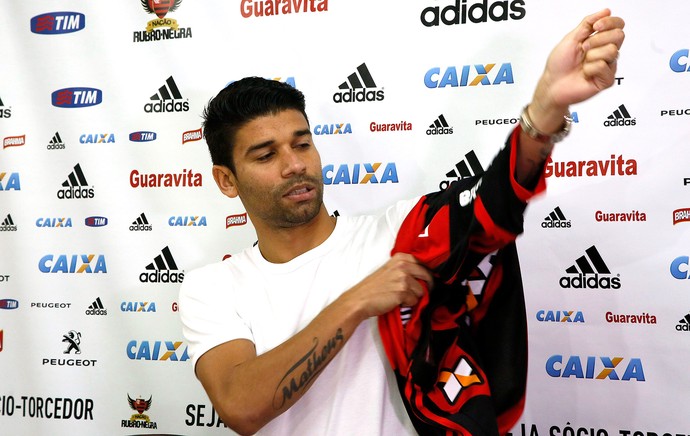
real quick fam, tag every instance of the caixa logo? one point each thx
(679, 61)
(560, 316)
(184, 221)
(480, 76)
(360, 173)
(10, 182)
(54, 23)
(595, 368)
(75, 263)
(157, 350)
(679, 268)
(76, 97)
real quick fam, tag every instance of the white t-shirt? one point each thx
(246, 297)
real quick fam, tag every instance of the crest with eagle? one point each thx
(140, 405)
(160, 7)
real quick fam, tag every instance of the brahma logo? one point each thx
(235, 220)
(10, 182)
(480, 76)
(191, 135)
(595, 368)
(54, 23)
(461, 13)
(267, 8)
(157, 350)
(681, 215)
(74, 263)
(76, 97)
(359, 174)
(142, 136)
(14, 141)
(161, 28)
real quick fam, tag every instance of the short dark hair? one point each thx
(239, 103)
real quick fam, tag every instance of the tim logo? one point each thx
(142, 136)
(73, 339)
(54, 23)
(96, 221)
(76, 97)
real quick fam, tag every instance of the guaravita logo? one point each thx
(620, 117)
(162, 269)
(167, 99)
(468, 167)
(96, 308)
(161, 28)
(54, 23)
(76, 186)
(615, 166)
(77, 97)
(439, 127)
(8, 224)
(359, 87)
(556, 220)
(5, 112)
(261, 8)
(56, 142)
(460, 12)
(590, 272)
(141, 224)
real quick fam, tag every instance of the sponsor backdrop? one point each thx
(107, 199)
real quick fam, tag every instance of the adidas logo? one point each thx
(4, 112)
(359, 87)
(96, 308)
(468, 167)
(684, 324)
(140, 224)
(590, 272)
(439, 127)
(620, 117)
(167, 99)
(75, 186)
(8, 225)
(56, 143)
(556, 219)
(160, 269)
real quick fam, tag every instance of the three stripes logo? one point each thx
(5, 112)
(439, 127)
(455, 380)
(161, 270)
(56, 142)
(468, 167)
(556, 220)
(359, 87)
(590, 272)
(620, 117)
(96, 308)
(8, 224)
(684, 324)
(76, 186)
(141, 224)
(167, 99)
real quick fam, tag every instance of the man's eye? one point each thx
(264, 157)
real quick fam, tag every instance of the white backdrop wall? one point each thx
(88, 285)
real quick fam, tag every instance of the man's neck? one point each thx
(280, 245)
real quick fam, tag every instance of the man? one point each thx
(283, 336)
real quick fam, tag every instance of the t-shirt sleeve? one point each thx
(208, 310)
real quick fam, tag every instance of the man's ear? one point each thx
(225, 179)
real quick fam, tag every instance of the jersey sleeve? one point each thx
(207, 311)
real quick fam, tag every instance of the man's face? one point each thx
(278, 170)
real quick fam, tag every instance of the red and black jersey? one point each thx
(460, 354)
